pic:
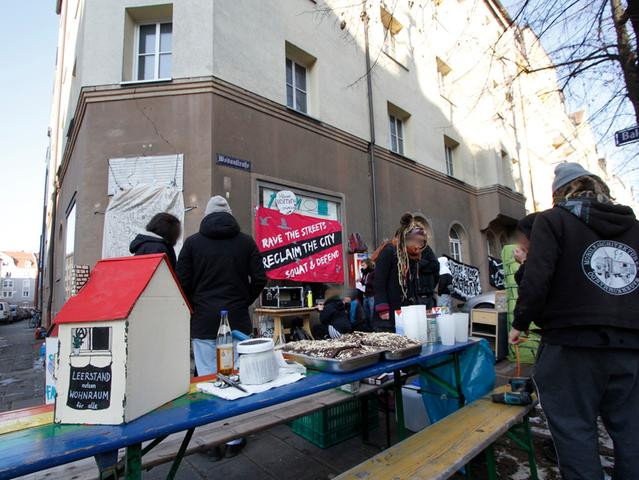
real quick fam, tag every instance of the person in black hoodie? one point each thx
(219, 268)
(333, 317)
(397, 272)
(581, 287)
(163, 232)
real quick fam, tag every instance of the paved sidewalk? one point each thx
(21, 367)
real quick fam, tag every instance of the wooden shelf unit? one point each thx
(492, 325)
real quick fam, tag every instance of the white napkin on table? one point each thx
(232, 393)
(290, 372)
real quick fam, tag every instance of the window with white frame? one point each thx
(392, 27)
(26, 283)
(448, 151)
(7, 283)
(6, 294)
(450, 147)
(153, 51)
(25, 293)
(455, 243)
(443, 77)
(396, 134)
(296, 86)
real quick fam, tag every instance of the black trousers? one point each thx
(575, 386)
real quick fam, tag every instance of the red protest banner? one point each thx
(298, 247)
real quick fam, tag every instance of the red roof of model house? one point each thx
(113, 288)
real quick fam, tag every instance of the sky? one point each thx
(29, 38)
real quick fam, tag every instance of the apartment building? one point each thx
(18, 275)
(364, 112)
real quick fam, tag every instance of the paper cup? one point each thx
(446, 327)
(461, 327)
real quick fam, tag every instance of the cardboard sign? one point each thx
(298, 247)
(89, 388)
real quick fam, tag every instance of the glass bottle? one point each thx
(224, 344)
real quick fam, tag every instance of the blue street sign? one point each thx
(627, 135)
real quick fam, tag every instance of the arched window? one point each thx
(455, 243)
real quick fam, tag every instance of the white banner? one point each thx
(130, 210)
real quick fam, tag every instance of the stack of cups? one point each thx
(461, 327)
(446, 327)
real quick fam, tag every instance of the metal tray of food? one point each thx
(334, 365)
(403, 353)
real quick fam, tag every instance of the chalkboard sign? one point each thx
(89, 388)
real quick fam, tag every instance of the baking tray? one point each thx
(333, 365)
(403, 353)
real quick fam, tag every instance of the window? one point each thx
(296, 86)
(450, 146)
(90, 340)
(25, 293)
(396, 134)
(153, 51)
(308, 203)
(27, 264)
(443, 78)
(6, 294)
(26, 283)
(391, 30)
(455, 243)
(448, 151)
(491, 244)
(7, 283)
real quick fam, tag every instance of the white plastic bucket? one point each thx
(461, 327)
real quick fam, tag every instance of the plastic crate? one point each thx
(332, 425)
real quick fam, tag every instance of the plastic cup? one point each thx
(461, 327)
(446, 327)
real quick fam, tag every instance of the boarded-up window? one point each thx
(163, 170)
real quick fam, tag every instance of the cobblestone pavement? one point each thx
(21, 367)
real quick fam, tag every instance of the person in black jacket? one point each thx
(581, 287)
(397, 272)
(333, 317)
(428, 277)
(163, 232)
(220, 268)
(524, 230)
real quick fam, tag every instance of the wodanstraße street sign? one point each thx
(627, 135)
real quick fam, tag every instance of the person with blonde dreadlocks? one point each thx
(397, 272)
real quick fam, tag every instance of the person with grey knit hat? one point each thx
(581, 287)
(219, 268)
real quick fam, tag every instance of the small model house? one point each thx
(123, 343)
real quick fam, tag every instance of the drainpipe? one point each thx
(43, 233)
(54, 211)
(371, 122)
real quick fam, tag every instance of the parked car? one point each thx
(5, 312)
(485, 300)
(14, 312)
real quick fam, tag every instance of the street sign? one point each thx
(627, 135)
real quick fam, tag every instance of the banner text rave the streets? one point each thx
(299, 247)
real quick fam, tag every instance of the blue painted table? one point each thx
(38, 448)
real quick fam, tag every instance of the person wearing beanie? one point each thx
(219, 268)
(581, 287)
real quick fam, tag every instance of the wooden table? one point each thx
(279, 314)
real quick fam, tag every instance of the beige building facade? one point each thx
(436, 121)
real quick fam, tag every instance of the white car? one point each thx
(5, 312)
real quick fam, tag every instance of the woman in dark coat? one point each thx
(397, 272)
(162, 233)
(333, 317)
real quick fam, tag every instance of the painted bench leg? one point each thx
(180, 454)
(133, 469)
(399, 405)
(491, 464)
(107, 463)
(520, 434)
